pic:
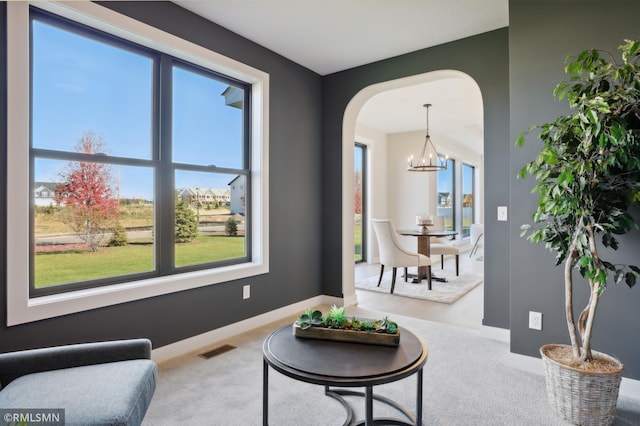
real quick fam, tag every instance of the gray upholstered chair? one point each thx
(441, 246)
(393, 254)
(104, 383)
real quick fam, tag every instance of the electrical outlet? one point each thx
(246, 291)
(535, 320)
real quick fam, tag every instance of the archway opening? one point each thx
(389, 134)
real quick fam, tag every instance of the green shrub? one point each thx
(186, 223)
(231, 227)
(119, 237)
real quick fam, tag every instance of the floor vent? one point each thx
(217, 351)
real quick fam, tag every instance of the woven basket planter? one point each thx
(582, 398)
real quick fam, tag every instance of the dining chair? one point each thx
(476, 232)
(442, 246)
(393, 254)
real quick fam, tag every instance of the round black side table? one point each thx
(346, 365)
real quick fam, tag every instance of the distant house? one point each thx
(222, 196)
(187, 195)
(205, 195)
(237, 193)
(444, 199)
(44, 193)
(467, 201)
(234, 97)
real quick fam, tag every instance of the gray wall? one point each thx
(541, 35)
(485, 59)
(295, 182)
(516, 71)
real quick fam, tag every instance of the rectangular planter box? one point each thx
(369, 338)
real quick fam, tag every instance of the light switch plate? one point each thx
(502, 213)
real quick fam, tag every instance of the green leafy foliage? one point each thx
(186, 222)
(119, 236)
(337, 318)
(231, 227)
(309, 319)
(587, 169)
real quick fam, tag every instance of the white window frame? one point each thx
(20, 307)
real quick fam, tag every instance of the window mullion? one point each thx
(164, 179)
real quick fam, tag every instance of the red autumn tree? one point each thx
(358, 200)
(358, 192)
(86, 192)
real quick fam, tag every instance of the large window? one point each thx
(94, 143)
(360, 181)
(446, 195)
(468, 196)
(136, 165)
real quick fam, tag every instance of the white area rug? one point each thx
(443, 292)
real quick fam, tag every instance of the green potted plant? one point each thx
(588, 176)
(336, 325)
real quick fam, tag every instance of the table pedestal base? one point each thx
(369, 397)
(417, 279)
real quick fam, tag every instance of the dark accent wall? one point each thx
(484, 58)
(516, 70)
(541, 35)
(295, 182)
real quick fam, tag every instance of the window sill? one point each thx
(23, 309)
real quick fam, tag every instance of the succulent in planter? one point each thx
(309, 319)
(336, 325)
(336, 317)
(389, 326)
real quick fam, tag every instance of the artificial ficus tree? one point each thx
(588, 177)
(86, 193)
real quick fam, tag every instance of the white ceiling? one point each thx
(328, 36)
(455, 114)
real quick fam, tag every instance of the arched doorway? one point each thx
(413, 90)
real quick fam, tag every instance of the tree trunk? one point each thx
(568, 297)
(586, 322)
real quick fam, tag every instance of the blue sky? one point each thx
(445, 176)
(81, 85)
(444, 179)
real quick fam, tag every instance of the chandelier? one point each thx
(429, 160)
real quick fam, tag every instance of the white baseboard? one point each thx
(630, 388)
(526, 363)
(348, 301)
(495, 333)
(194, 343)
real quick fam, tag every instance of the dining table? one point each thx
(424, 235)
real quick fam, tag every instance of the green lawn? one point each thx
(58, 268)
(358, 241)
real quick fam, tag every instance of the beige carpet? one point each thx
(443, 292)
(469, 380)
